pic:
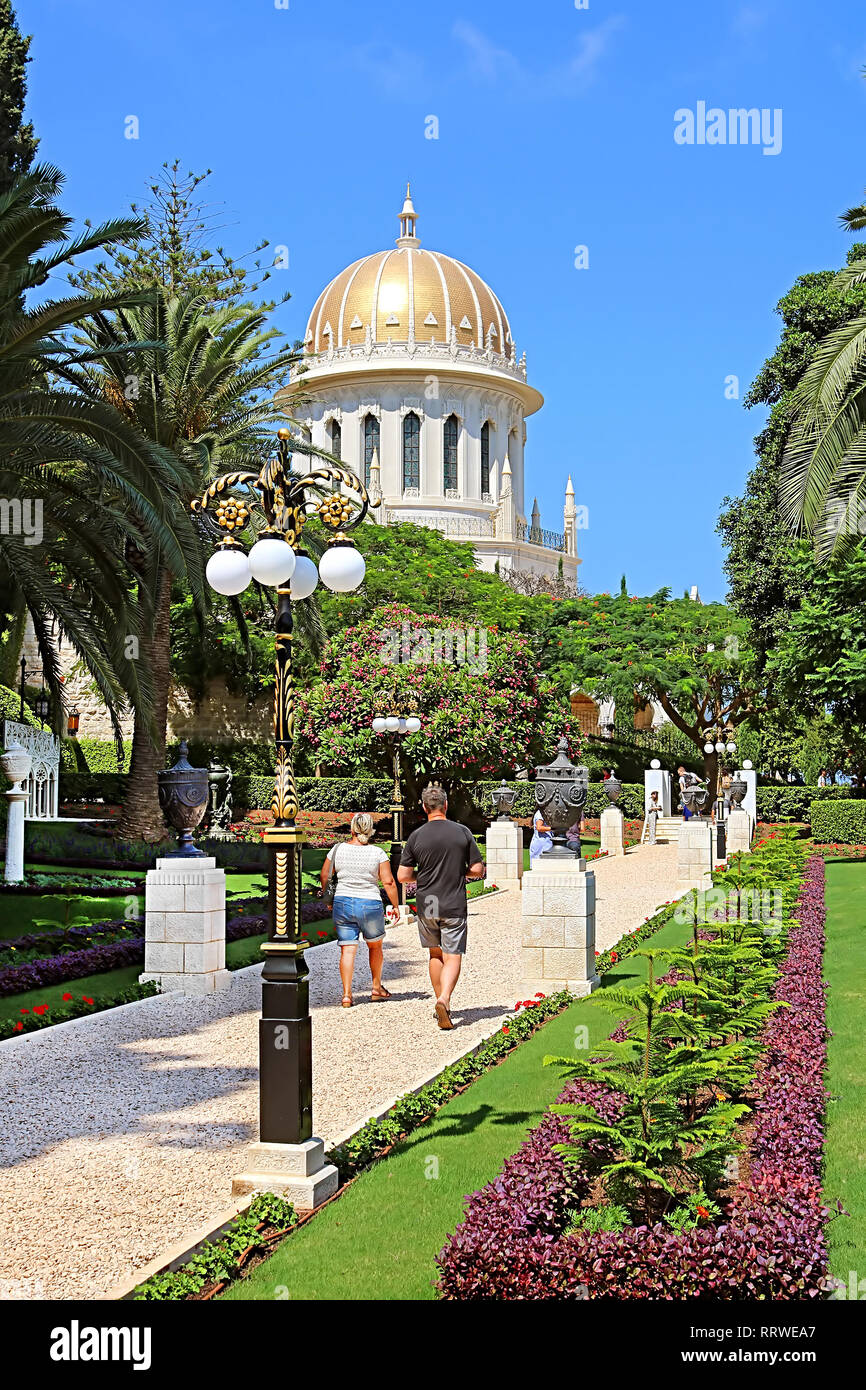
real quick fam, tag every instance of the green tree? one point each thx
(693, 658)
(17, 141)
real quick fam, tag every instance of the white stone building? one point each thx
(411, 376)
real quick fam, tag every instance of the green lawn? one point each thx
(845, 972)
(379, 1241)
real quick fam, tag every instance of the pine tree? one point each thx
(17, 141)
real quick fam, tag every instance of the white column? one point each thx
(656, 779)
(750, 800)
(694, 853)
(185, 926)
(612, 831)
(559, 927)
(739, 831)
(15, 834)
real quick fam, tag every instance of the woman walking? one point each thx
(359, 868)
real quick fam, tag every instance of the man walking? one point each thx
(440, 854)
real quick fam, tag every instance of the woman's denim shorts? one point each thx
(357, 917)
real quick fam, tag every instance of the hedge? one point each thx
(838, 822)
(794, 803)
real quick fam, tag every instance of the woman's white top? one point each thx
(357, 870)
(537, 822)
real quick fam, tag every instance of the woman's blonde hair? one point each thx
(362, 826)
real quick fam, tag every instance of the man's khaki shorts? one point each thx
(448, 933)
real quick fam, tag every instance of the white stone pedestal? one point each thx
(739, 827)
(504, 854)
(558, 927)
(15, 834)
(656, 779)
(694, 851)
(612, 831)
(750, 800)
(185, 926)
(297, 1172)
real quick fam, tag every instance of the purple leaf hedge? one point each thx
(770, 1242)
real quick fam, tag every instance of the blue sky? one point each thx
(556, 130)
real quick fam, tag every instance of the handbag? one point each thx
(331, 886)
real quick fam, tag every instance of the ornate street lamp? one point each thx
(561, 790)
(73, 720)
(42, 706)
(286, 499)
(395, 727)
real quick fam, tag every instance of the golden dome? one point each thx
(408, 294)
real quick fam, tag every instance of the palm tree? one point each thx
(823, 469)
(201, 389)
(81, 487)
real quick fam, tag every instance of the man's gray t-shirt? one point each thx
(442, 851)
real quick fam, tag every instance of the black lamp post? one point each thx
(285, 499)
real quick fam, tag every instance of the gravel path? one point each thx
(121, 1133)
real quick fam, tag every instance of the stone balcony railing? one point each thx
(459, 527)
(423, 351)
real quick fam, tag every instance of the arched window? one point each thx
(336, 439)
(371, 443)
(449, 453)
(411, 450)
(485, 458)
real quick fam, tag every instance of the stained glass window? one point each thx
(485, 457)
(450, 453)
(371, 444)
(411, 450)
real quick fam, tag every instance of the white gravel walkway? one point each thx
(120, 1133)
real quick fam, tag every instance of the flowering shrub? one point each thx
(769, 1243)
(478, 720)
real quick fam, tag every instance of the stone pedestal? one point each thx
(297, 1172)
(739, 826)
(185, 926)
(504, 854)
(15, 800)
(558, 927)
(612, 831)
(694, 852)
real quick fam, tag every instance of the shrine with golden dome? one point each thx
(410, 374)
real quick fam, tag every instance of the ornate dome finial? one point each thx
(408, 218)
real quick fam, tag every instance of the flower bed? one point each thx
(769, 1242)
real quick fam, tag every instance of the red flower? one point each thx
(41, 1009)
(23, 1011)
(86, 999)
(20, 1026)
(614, 956)
(539, 995)
(703, 1213)
(65, 997)
(506, 1029)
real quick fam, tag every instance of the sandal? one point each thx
(443, 1017)
(347, 1001)
(379, 994)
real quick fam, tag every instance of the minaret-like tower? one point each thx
(408, 219)
(570, 519)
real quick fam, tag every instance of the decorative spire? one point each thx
(569, 487)
(408, 218)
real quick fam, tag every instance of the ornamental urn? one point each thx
(503, 799)
(695, 798)
(613, 789)
(738, 790)
(183, 796)
(16, 763)
(560, 794)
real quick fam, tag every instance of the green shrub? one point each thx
(630, 802)
(318, 793)
(10, 708)
(93, 786)
(838, 822)
(793, 803)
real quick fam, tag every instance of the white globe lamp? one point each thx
(413, 724)
(655, 764)
(305, 578)
(228, 570)
(379, 725)
(720, 747)
(342, 568)
(709, 748)
(272, 561)
(732, 747)
(747, 765)
(392, 723)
